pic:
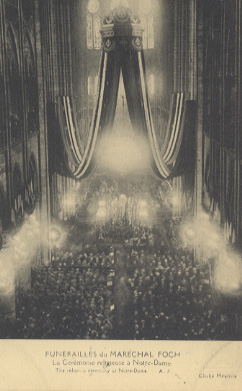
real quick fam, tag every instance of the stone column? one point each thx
(198, 94)
(192, 62)
(43, 138)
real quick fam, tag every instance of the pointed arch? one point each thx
(96, 31)
(31, 84)
(12, 51)
(14, 85)
(89, 31)
(17, 212)
(93, 25)
(31, 187)
(17, 181)
(29, 58)
(33, 173)
(150, 31)
(147, 12)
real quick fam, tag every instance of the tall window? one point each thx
(96, 86)
(115, 3)
(93, 25)
(146, 10)
(151, 85)
(92, 92)
(92, 88)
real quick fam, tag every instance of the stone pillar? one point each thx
(192, 62)
(43, 138)
(176, 47)
(239, 122)
(198, 93)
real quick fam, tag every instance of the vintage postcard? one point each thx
(120, 195)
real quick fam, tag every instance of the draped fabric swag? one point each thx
(122, 51)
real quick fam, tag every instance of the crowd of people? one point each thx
(130, 235)
(171, 298)
(164, 294)
(70, 299)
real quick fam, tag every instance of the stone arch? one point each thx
(29, 58)
(12, 51)
(31, 85)
(17, 180)
(32, 186)
(17, 207)
(33, 173)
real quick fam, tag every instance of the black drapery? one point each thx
(122, 51)
(68, 156)
(58, 150)
(177, 150)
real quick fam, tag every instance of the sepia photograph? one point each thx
(120, 195)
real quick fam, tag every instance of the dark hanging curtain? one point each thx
(58, 151)
(108, 91)
(122, 51)
(185, 147)
(133, 90)
(177, 151)
(68, 157)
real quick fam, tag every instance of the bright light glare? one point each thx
(213, 241)
(142, 204)
(21, 249)
(146, 6)
(143, 214)
(55, 235)
(122, 154)
(70, 201)
(228, 274)
(175, 200)
(101, 213)
(189, 233)
(116, 3)
(201, 217)
(205, 232)
(24, 242)
(7, 276)
(93, 6)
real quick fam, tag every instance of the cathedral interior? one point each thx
(121, 169)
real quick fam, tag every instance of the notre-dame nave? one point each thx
(120, 169)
